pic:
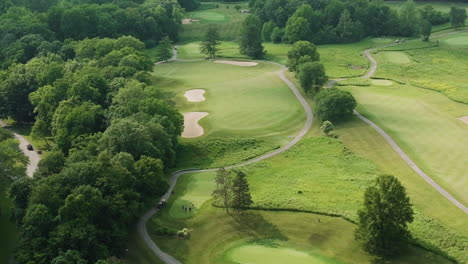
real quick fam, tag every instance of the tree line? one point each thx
(111, 133)
(340, 21)
(26, 33)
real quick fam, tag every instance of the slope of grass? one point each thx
(241, 101)
(439, 65)
(227, 20)
(425, 125)
(215, 236)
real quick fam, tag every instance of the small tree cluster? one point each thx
(334, 105)
(232, 192)
(303, 59)
(457, 16)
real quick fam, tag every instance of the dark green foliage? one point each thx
(12, 159)
(52, 163)
(165, 49)
(267, 29)
(277, 35)
(426, 29)
(189, 5)
(312, 76)
(383, 220)
(69, 257)
(334, 105)
(340, 21)
(241, 198)
(209, 45)
(251, 38)
(301, 52)
(457, 16)
(435, 17)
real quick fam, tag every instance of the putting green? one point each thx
(395, 57)
(241, 101)
(458, 40)
(209, 16)
(260, 254)
(382, 82)
(195, 190)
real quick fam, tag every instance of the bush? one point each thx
(334, 105)
(164, 231)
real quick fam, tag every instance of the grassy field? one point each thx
(263, 236)
(225, 17)
(8, 230)
(442, 68)
(339, 60)
(425, 125)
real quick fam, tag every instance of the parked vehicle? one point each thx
(30, 147)
(162, 203)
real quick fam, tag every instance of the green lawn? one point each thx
(227, 20)
(8, 230)
(438, 65)
(425, 125)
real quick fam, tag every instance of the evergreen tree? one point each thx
(165, 49)
(209, 45)
(251, 38)
(223, 189)
(383, 221)
(241, 192)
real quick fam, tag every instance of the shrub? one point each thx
(334, 105)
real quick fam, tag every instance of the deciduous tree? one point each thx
(209, 45)
(301, 52)
(251, 38)
(327, 127)
(312, 76)
(383, 220)
(223, 190)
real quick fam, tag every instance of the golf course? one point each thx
(217, 132)
(312, 219)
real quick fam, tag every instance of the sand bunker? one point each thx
(382, 82)
(191, 127)
(187, 21)
(464, 119)
(238, 63)
(195, 95)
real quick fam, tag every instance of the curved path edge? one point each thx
(33, 157)
(141, 225)
(394, 145)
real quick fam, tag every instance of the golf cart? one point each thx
(30, 147)
(162, 203)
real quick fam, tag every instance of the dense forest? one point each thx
(78, 70)
(339, 21)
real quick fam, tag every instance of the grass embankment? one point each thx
(439, 65)
(258, 236)
(261, 114)
(225, 17)
(339, 60)
(8, 230)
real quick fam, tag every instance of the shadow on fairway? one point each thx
(256, 226)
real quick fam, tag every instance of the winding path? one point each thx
(394, 145)
(141, 226)
(33, 157)
(168, 259)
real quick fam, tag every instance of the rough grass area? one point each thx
(215, 235)
(319, 174)
(439, 224)
(228, 21)
(439, 65)
(425, 125)
(8, 230)
(241, 101)
(218, 152)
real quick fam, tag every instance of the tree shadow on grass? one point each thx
(257, 227)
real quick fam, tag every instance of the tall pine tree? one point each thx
(241, 192)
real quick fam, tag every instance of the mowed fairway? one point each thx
(425, 125)
(241, 101)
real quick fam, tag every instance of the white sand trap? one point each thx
(195, 95)
(464, 119)
(238, 63)
(191, 127)
(382, 82)
(187, 21)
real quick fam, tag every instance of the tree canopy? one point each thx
(334, 105)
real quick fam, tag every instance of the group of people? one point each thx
(188, 208)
